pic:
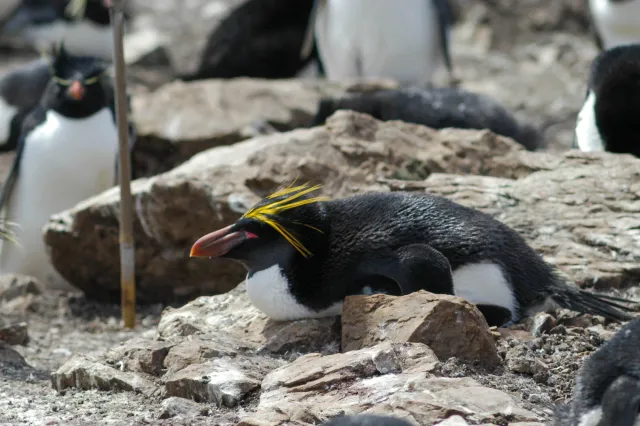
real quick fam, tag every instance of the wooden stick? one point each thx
(127, 248)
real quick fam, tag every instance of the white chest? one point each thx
(379, 38)
(80, 38)
(592, 418)
(587, 134)
(616, 23)
(7, 112)
(268, 291)
(67, 160)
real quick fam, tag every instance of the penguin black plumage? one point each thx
(615, 22)
(406, 40)
(259, 39)
(607, 391)
(436, 107)
(608, 120)
(42, 23)
(20, 92)
(367, 420)
(305, 254)
(67, 152)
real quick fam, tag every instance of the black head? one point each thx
(615, 81)
(79, 85)
(286, 225)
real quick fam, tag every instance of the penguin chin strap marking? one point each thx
(283, 200)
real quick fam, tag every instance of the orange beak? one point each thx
(76, 90)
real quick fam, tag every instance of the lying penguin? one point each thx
(406, 40)
(608, 120)
(436, 107)
(305, 254)
(84, 25)
(615, 22)
(66, 153)
(259, 39)
(20, 92)
(607, 391)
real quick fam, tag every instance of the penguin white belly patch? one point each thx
(64, 162)
(587, 134)
(269, 291)
(592, 418)
(484, 284)
(7, 113)
(617, 23)
(379, 38)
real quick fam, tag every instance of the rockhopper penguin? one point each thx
(615, 22)
(406, 40)
(608, 120)
(305, 254)
(66, 153)
(43, 22)
(607, 391)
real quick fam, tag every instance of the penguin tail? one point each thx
(612, 308)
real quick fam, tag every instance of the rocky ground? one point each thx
(217, 360)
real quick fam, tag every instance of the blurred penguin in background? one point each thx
(66, 153)
(609, 118)
(406, 40)
(615, 22)
(83, 25)
(259, 39)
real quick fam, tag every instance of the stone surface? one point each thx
(13, 286)
(542, 323)
(215, 187)
(520, 359)
(181, 408)
(354, 382)
(14, 333)
(88, 372)
(449, 325)
(232, 319)
(140, 355)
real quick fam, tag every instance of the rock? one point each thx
(237, 326)
(454, 421)
(542, 323)
(15, 334)
(519, 335)
(223, 381)
(181, 119)
(140, 355)
(519, 359)
(449, 325)
(180, 407)
(88, 372)
(540, 195)
(352, 383)
(13, 286)
(9, 357)
(176, 208)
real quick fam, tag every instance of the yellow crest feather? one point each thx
(267, 213)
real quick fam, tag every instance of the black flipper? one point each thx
(620, 403)
(31, 121)
(495, 315)
(445, 19)
(412, 268)
(591, 303)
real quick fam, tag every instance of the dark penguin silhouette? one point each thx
(367, 420)
(615, 22)
(85, 31)
(260, 39)
(607, 391)
(66, 153)
(436, 107)
(20, 92)
(406, 40)
(305, 254)
(608, 120)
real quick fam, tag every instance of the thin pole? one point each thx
(127, 248)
